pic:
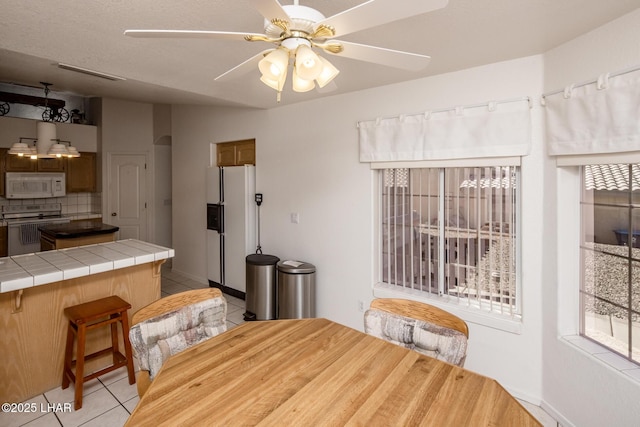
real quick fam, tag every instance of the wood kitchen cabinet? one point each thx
(14, 163)
(81, 173)
(236, 153)
(49, 165)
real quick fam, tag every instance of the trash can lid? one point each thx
(260, 259)
(292, 267)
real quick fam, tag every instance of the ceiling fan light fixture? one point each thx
(274, 65)
(308, 64)
(328, 73)
(300, 84)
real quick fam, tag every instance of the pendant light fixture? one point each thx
(46, 145)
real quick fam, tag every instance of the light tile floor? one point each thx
(109, 400)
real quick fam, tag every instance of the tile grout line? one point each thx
(115, 397)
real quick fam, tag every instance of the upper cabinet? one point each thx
(48, 165)
(24, 164)
(236, 153)
(81, 173)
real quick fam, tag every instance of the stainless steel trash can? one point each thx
(296, 290)
(261, 287)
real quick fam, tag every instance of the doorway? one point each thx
(127, 190)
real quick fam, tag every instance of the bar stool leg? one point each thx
(68, 356)
(114, 338)
(124, 322)
(79, 382)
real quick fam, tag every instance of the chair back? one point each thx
(172, 324)
(173, 302)
(417, 326)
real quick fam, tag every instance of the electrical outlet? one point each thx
(360, 305)
(295, 217)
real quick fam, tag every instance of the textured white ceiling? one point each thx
(36, 35)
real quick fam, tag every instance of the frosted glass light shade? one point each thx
(308, 64)
(300, 84)
(328, 73)
(274, 65)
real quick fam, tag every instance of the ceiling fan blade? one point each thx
(378, 12)
(270, 9)
(190, 34)
(243, 68)
(379, 55)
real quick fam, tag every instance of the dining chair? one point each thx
(172, 324)
(420, 327)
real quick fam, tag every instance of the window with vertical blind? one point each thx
(451, 232)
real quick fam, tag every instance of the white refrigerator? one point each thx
(231, 199)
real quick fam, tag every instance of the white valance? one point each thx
(497, 129)
(600, 117)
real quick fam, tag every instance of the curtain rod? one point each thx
(490, 105)
(604, 76)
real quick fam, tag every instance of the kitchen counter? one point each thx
(40, 268)
(75, 233)
(77, 229)
(36, 288)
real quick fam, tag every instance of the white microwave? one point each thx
(34, 185)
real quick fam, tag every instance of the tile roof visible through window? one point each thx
(489, 183)
(611, 177)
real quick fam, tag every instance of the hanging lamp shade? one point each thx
(308, 64)
(58, 150)
(72, 152)
(20, 149)
(300, 84)
(328, 73)
(274, 65)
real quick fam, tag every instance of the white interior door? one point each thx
(127, 196)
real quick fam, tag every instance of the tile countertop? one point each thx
(40, 268)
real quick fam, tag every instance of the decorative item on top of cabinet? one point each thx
(236, 153)
(81, 173)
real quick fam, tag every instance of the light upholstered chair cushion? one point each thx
(155, 339)
(427, 338)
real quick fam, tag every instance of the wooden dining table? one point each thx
(315, 372)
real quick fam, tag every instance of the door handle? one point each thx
(113, 214)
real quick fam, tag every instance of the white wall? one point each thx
(307, 163)
(586, 391)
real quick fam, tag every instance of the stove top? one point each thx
(37, 211)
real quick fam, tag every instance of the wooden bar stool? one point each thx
(88, 316)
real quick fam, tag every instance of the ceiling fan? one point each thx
(296, 30)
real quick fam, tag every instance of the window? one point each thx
(451, 233)
(610, 257)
